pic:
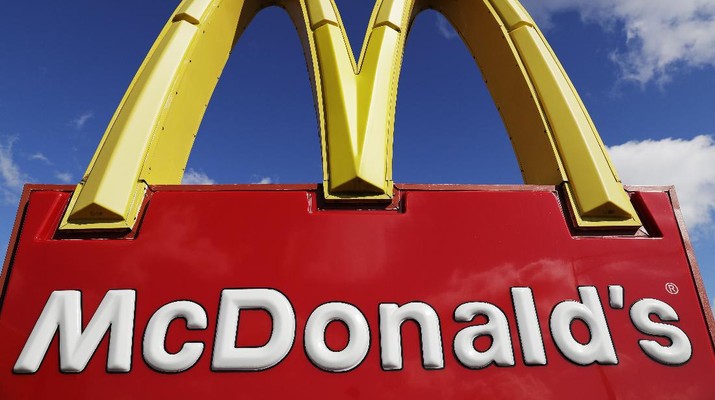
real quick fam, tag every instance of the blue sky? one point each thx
(644, 68)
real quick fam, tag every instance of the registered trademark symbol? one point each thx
(671, 288)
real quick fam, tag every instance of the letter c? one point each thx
(154, 350)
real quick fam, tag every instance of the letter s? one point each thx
(680, 350)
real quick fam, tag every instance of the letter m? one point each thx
(63, 312)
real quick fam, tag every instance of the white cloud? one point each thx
(687, 164)
(64, 177)
(40, 157)
(660, 35)
(261, 179)
(193, 177)
(445, 28)
(79, 122)
(12, 177)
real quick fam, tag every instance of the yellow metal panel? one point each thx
(340, 91)
(358, 120)
(581, 105)
(597, 193)
(512, 13)
(514, 96)
(110, 187)
(195, 81)
(155, 125)
(377, 105)
(391, 13)
(321, 12)
(194, 10)
(151, 134)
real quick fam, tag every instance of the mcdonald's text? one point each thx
(62, 314)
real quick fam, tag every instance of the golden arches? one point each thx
(150, 136)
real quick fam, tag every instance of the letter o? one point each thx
(358, 337)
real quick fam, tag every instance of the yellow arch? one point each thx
(151, 134)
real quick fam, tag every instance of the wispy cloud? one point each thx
(40, 157)
(687, 164)
(12, 177)
(659, 36)
(262, 179)
(445, 28)
(193, 177)
(79, 122)
(64, 177)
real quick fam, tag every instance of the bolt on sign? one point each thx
(571, 286)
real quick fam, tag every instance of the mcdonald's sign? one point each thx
(569, 286)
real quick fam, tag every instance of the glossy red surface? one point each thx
(444, 248)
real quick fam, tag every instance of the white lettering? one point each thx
(679, 351)
(63, 311)
(154, 348)
(358, 337)
(228, 357)
(600, 348)
(114, 319)
(391, 319)
(527, 324)
(500, 352)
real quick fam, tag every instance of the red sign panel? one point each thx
(451, 292)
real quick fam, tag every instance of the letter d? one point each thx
(228, 357)
(600, 348)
